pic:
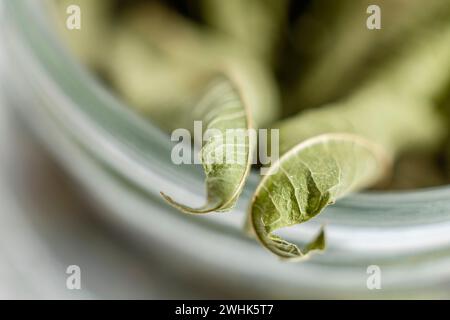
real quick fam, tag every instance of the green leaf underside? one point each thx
(305, 180)
(226, 162)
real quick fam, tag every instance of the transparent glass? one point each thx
(123, 162)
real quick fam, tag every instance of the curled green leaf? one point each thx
(309, 177)
(390, 114)
(227, 148)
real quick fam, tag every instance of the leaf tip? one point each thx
(207, 208)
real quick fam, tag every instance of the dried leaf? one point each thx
(226, 158)
(309, 177)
